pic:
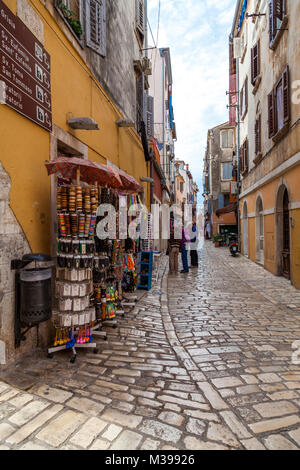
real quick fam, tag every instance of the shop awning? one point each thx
(90, 172)
(227, 210)
(129, 183)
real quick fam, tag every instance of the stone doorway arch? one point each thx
(260, 231)
(283, 232)
(245, 230)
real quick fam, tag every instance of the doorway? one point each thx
(260, 233)
(245, 231)
(283, 229)
(286, 262)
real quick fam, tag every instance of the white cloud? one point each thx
(197, 33)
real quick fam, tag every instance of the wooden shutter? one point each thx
(258, 135)
(246, 156)
(271, 21)
(246, 95)
(140, 16)
(279, 9)
(252, 66)
(258, 58)
(286, 95)
(255, 62)
(241, 101)
(271, 113)
(96, 25)
(140, 100)
(150, 117)
(241, 159)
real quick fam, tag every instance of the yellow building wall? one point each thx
(25, 146)
(269, 195)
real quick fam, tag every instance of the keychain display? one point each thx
(75, 314)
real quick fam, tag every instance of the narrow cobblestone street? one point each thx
(204, 361)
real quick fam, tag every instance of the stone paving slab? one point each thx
(202, 362)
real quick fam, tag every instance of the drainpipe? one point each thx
(151, 163)
(238, 151)
(238, 138)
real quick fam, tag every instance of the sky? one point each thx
(197, 32)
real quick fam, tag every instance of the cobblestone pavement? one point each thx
(203, 361)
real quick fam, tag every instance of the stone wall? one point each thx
(13, 245)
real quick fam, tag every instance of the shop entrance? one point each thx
(286, 264)
(245, 230)
(260, 238)
(283, 246)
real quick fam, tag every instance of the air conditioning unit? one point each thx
(234, 187)
(237, 48)
(147, 66)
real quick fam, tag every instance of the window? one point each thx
(140, 100)
(258, 136)
(71, 12)
(277, 18)
(255, 63)
(244, 99)
(89, 17)
(150, 117)
(279, 104)
(181, 187)
(95, 15)
(227, 170)
(227, 139)
(244, 158)
(140, 19)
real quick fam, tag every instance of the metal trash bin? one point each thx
(35, 291)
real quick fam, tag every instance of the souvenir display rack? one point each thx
(74, 316)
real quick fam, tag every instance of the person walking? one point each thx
(208, 230)
(184, 253)
(173, 250)
(194, 252)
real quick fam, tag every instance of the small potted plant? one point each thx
(75, 24)
(217, 240)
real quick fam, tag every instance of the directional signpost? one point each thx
(24, 71)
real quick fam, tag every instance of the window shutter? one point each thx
(140, 16)
(286, 96)
(241, 101)
(221, 201)
(246, 95)
(252, 66)
(140, 100)
(271, 22)
(258, 135)
(246, 156)
(271, 112)
(258, 58)
(96, 26)
(279, 9)
(241, 159)
(150, 117)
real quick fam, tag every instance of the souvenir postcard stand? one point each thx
(107, 273)
(145, 262)
(75, 317)
(129, 280)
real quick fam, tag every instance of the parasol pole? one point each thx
(78, 176)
